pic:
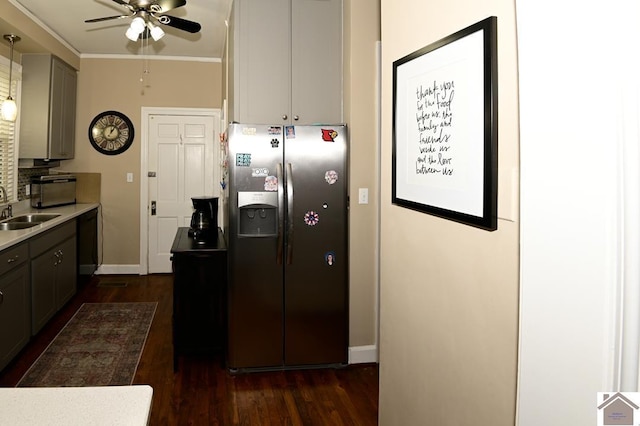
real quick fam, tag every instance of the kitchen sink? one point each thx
(12, 226)
(31, 218)
(25, 221)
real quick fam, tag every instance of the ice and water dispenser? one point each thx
(257, 214)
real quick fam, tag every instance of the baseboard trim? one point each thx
(363, 354)
(86, 269)
(118, 270)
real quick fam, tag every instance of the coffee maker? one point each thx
(204, 220)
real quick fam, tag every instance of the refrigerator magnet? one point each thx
(329, 135)
(243, 160)
(330, 258)
(271, 183)
(331, 176)
(260, 172)
(275, 143)
(291, 132)
(311, 218)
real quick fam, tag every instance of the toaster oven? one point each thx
(53, 190)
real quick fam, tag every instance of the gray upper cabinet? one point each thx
(48, 108)
(285, 62)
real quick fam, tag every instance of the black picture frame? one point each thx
(445, 127)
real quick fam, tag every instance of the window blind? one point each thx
(9, 130)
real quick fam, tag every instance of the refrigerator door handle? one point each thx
(280, 214)
(289, 214)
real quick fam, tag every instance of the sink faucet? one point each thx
(7, 212)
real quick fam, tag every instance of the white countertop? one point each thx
(81, 406)
(9, 238)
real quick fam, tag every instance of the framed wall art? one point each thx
(445, 125)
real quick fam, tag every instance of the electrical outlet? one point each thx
(129, 177)
(27, 189)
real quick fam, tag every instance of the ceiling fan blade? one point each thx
(125, 4)
(107, 18)
(167, 5)
(179, 23)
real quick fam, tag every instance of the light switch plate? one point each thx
(363, 196)
(129, 177)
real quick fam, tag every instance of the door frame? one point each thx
(146, 112)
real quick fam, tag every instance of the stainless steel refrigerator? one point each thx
(287, 236)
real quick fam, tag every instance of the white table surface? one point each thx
(76, 406)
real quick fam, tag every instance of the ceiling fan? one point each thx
(146, 13)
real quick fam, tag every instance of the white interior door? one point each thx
(183, 155)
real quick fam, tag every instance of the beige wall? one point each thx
(362, 31)
(449, 292)
(112, 84)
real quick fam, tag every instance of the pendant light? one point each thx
(9, 107)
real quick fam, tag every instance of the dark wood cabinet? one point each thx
(53, 272)
(199, 295)
(15, 303)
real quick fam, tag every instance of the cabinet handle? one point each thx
(1, 298)
(296, 118)
(13, 259)
(284, 117)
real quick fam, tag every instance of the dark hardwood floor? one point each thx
(202, 391)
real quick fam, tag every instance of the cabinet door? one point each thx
(62, 111)
(66, 272)
(316, 60)
(69, 117)
(56, 109)
(286, 62)
(15, 309)
(261, 60)
(43, 289)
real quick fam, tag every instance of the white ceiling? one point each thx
(65, 20)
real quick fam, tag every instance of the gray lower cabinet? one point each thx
(53, 272)
(15, 302)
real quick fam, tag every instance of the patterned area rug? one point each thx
(100, 346)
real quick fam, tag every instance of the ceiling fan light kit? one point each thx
(132, 34)
(146, 13)
(9, 109)
(138, 24)
(156, 32)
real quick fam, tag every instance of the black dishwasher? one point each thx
(87, 245)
